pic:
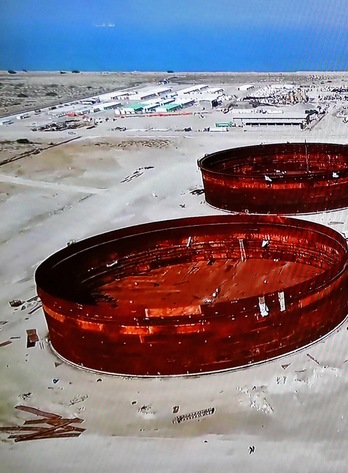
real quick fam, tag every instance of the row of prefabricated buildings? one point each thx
(134, 101)
(158, 99)
(163, 99)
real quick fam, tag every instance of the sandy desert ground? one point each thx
(289, 414)
(31, 90)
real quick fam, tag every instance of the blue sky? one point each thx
(177, 12)
(33, 31)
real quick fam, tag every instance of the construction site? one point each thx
(174, 278)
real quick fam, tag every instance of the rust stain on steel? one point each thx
(142, 301)
(277, 178)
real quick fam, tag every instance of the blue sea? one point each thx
(120, 48)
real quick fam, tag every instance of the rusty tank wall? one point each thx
(285, 178)
(194, 295)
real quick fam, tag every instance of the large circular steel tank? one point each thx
(194, 295)
(277, 178)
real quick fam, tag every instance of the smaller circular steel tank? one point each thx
(277, 178)
(194, 295)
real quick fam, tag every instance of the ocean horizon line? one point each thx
(85, 71)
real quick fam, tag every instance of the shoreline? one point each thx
(81, 71)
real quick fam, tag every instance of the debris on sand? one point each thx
(197, 192)
(137, 173)
(16, 303)
(193, 415)
(78, 398)
(32, 337)
(56, 426)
